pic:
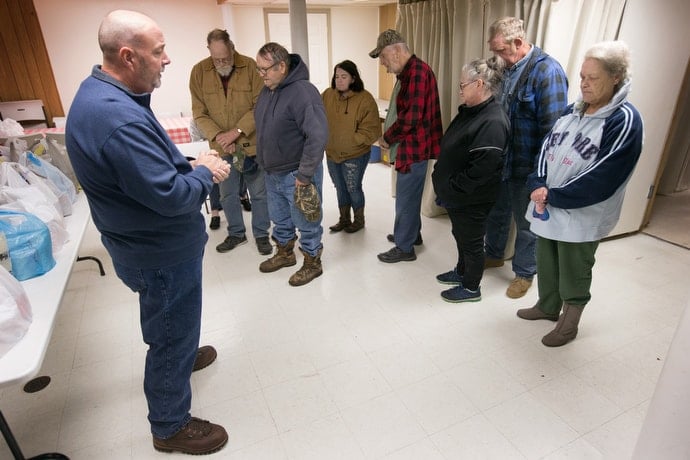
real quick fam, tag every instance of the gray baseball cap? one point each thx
(387, 37)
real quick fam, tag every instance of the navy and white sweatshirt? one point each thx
(586, 162)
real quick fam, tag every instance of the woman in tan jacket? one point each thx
(353, 126)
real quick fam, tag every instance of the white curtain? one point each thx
(447, 34)
(576, 25)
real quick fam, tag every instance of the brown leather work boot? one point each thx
(344, 221)
(358, 222)
(311, 268)
(204, 357)
(518, 287)
(197, 437)
(284, 257)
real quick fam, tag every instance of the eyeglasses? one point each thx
(462, 85)
(264, 70)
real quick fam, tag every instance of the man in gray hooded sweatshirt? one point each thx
(292, 131)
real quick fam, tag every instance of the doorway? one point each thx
(668, 214)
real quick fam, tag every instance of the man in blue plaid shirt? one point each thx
(534, 94)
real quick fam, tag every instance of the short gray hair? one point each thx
(510, 27)
(614, 57)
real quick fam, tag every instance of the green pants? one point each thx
(564, 272)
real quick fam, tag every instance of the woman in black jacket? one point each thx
(467, 174)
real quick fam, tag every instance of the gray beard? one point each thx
(225, 71)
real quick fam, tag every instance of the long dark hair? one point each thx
(350, 67)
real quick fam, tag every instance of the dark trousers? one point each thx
(469, 228)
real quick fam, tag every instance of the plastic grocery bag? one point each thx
(57, 180)
(15, 311)
(28, 240)
(22, 190)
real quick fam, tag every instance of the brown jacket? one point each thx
(214, 112)
(353, 124)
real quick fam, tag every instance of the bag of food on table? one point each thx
(28, 241)
(22, 190)
(57, 180)
(15, 311)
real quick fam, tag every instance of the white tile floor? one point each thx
(367, 361)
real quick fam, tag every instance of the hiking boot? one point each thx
(397, 255)
(215, 223)
(518, 287)
(492, 263)
(197, 437)
(311, 268)
(231, 242)
(264, 245)
(461, 294)
(417, 242)
(284, 257)
(566, 328)
(344, 220)
(451, 277)
(357, 223)
(204, 357)
(535, 313)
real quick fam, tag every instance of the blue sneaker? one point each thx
(460, 294)
(451, 277)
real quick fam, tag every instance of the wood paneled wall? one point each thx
(25, 70)
(387, 17)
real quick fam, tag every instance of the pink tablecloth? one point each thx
(176, 127)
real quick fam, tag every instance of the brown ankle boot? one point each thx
(311, 268)
(284, 257)
(536, 313)
(566, 328)
(344, 221)
(358, 223)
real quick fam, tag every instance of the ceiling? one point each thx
(284, 3)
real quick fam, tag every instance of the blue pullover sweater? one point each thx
(144, 196)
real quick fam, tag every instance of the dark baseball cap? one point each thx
(387, 37)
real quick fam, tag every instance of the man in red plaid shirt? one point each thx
(414, 137)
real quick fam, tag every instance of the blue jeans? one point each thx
(512, 202)
(230, 191)
(170, 316)
(347, 178)
(286, 217)
(408, 205)
(214, 198)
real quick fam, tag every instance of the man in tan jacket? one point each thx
(224, 89)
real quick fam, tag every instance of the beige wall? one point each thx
(70, 30)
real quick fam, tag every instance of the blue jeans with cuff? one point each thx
(170, 316)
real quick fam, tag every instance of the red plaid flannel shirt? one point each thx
(418, 128)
